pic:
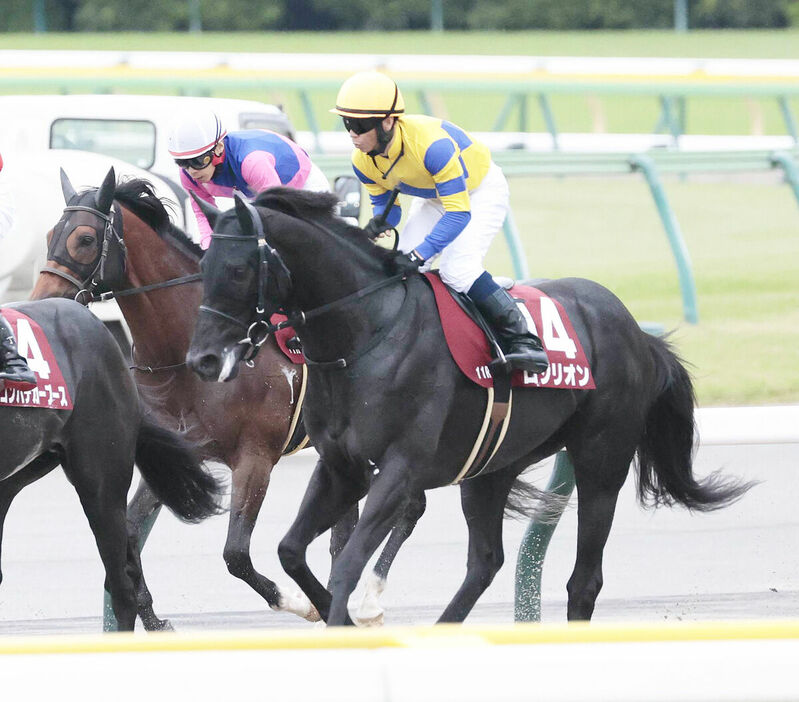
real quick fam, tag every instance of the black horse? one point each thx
(391, 415)
(96, 442)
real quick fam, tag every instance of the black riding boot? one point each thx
(522, 348)
(13, 367)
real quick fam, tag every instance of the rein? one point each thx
(83, 290)
(111, 295)
(85, 294)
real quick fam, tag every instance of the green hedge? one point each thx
(332, 15)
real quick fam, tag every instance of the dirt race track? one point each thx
(662, 565)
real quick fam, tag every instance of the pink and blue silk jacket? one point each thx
(255, 159)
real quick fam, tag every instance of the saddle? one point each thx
(471, 340)
(474, 348)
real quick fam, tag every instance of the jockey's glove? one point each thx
(404, 263)
(376, 226)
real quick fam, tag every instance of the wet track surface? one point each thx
(739, 563)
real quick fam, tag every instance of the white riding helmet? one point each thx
(195, 134)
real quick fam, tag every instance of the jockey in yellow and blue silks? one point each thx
(461, 199)
(13, 367)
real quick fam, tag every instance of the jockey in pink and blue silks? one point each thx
(215, 163)
(13, 367)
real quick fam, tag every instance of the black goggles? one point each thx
(361, 125)
(197, 162)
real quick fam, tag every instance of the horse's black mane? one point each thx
(137, 195)
(321, 208)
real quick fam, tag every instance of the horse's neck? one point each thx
(325, 271)
(161, 321)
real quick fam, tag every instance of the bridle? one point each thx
(111, 235)
(95, 278)
(259, 330)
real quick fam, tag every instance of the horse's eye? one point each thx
(86, 240)
(239, 273)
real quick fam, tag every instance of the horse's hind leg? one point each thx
(101, 477)
(598, 484)
(370, 613)
(140, 508)
(483, 502)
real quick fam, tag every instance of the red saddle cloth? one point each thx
(568, 365)
(51, 391)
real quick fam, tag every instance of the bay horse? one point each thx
(95, 441)
(392, 415)
(245, 424)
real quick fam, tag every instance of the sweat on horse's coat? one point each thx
(403, 406)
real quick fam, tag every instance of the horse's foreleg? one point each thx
(249, 483)
(387, 497)
(483, 503)
(370, 613)
(327, 499)
(140, 509)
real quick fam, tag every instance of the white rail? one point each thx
(697, 662)
(405, 65)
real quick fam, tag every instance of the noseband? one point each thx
(259, 330)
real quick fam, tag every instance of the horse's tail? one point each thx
(171, 467)
(666, 452)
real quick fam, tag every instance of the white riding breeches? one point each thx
(461, 261)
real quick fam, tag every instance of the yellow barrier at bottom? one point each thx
(441, 636)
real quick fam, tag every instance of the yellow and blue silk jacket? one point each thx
(429, 158)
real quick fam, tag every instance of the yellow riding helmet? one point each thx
(369, 94)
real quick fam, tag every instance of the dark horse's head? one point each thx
(245, 283)
(246, 280)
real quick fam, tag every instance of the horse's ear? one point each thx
(244, 216)
(210, 212)
(104, 197)
(66, 187)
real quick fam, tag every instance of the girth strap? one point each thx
(297, 437)
(495, 426)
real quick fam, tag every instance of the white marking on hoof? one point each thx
(370, 613)
(297, 603)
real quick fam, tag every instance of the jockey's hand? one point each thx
(376, 226)
(404, 263)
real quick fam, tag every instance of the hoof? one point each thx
(370, 621)
(297, 603)
(370, 613)
(158, 625)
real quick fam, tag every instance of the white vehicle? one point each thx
(30, 181)
(133, 128)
